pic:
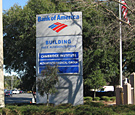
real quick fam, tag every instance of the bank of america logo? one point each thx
(57, 26)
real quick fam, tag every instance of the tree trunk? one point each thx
(47, 99)
(94, 94)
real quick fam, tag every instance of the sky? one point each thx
(6, 4)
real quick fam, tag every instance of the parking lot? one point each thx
(19, 98)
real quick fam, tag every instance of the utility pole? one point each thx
(2, 102)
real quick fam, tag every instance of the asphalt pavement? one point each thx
(19, 98)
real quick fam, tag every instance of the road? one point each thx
(19, 98)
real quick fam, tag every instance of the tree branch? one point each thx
(114, 14)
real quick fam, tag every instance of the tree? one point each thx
(100, 37)
(20, 37)
(99, 46)
(95, 80)
(11, 82)
(47, 84)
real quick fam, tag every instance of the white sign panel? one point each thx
(57, 24)
(66, 51)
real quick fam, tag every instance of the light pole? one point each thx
(120, 44)
(120, 38)
(2, 102)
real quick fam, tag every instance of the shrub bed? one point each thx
(88, 98)
(92, 108)
(96, 98)
(113, 98)
(106, 98)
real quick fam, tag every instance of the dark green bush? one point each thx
(106, 98)
(122, 108)
(104, 111)
(29, 110)
(113, 98)
(49, 110)
(11, 109)
(94, 104)
(82, 109)
(0, 111)
(87, 98)
(87, 102)
(92, 108)
(67, 111)
(64, 106)
(6, 111)
(96, 98)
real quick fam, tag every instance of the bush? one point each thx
(96, 98)
(93, 108)
(48, 110)
(67, 111)
(94, 104)
(106, 98)
(83, 110)
(88, 98)
(90, 110)
(0, 111)
(6, 111)
(113, 98)
(64, 106)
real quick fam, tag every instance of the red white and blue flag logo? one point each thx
(57, 26)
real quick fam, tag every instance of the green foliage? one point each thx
(20, 37)
(6, 111)
(64, 106)
(94, 104)
(95, 80)
(64, 109)
(47, 83)
(49, 110)
(113, 98)
(11, 82)
(87, 98)
(106, 98)
(83, 109)
(67, 111)
(101, 46)
(29, 110)
(96, 98)
(100, 39)
(92, 108)
(49, 79)
(125, 109)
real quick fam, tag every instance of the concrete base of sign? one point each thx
(132, 82)
(70, 90)
(119, 95)
(127, 93)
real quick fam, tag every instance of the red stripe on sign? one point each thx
(57, 23)
(58, 26)
(61, 28)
